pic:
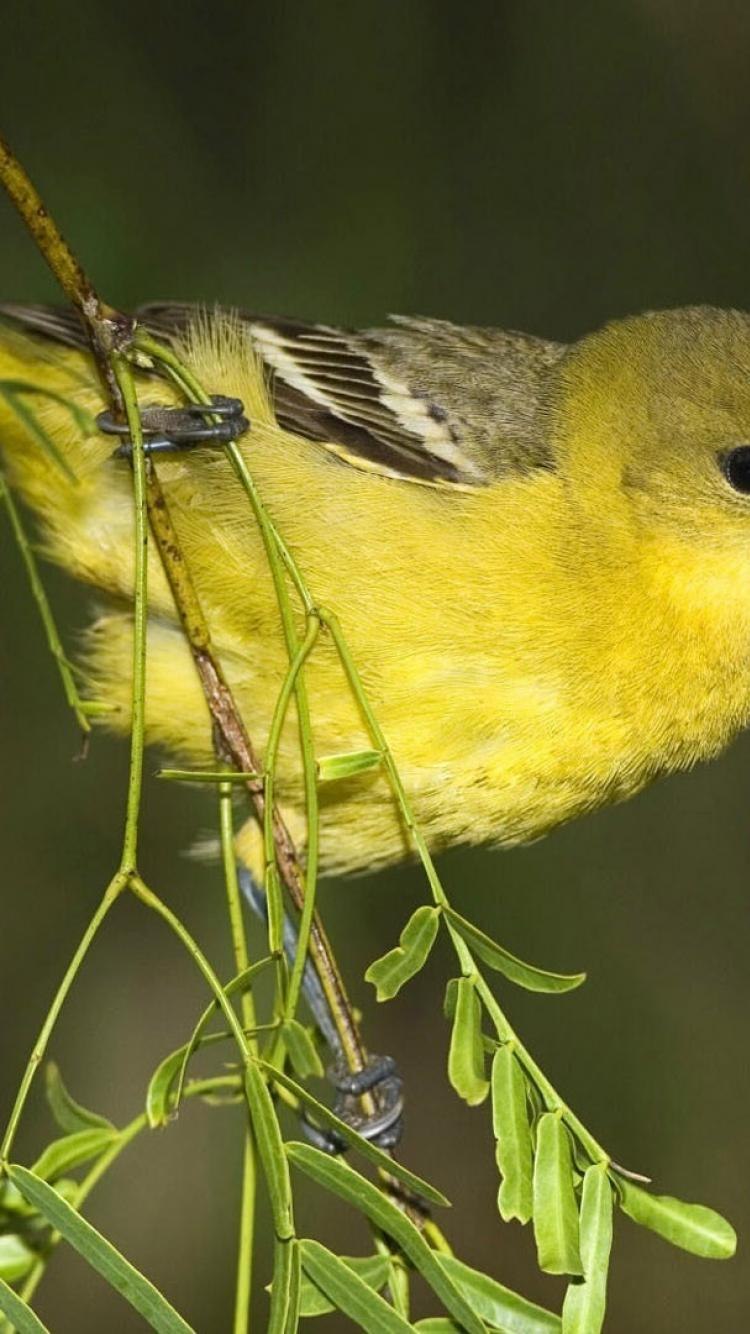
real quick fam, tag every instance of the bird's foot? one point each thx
(382, 1127)
(171, 430)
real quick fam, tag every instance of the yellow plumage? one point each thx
(533, 647)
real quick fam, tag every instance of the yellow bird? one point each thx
(539, 553)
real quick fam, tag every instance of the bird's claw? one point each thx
(384, 1126)
(170, 430)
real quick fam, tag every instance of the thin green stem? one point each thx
(234, 899)
(245, 1238)
(205, 776)
(54, 642)
(246, 1234)
(152, 900)
(275, 909)
(124, 378)
(113, 890)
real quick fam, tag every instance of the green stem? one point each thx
(275, 909)
(151, 900)
(124, 378)
(45, 611)
(245, 1240)
(234, 899)
(226, 776)
(37, 1055)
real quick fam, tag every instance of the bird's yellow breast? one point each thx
(528, 658)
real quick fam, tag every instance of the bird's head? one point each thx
(652, 426)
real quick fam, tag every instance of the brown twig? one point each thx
(110, 332)
(108, 329)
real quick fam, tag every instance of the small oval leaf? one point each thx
(161, 1092)
(449, 999)
(62, 1155)
(389, 973)
(301, 1050)
(555, 1210)
(694, 1227)
(437, 1324)
(348, 1291)
(69, 1114)
(523, 974)
(585, 1302)
(16, 1258)
(12, 1202)
(346, 765)
(510, 1120)
(158, 1093)
(466, 1054)
(498, 1305)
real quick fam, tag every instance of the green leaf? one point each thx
(510, 1121)
(100, 1254)
(498, 1305)
(62, 1155)
(160, 1106)
(372, 1269)
(555, 1211)
(271, 1151)
(357, 1141)
(21, 1316)
(523, 974)
(349, 1293)
(585, 1302)
(331, 767)
(12, 1201)
(692, 1226)
(466, 1054)
(342, 1180)
(69, 1114)
(16, 1258)
(437, 1324)
(158, 1094)
(389, 973)
(301, 1049)
(450, 997)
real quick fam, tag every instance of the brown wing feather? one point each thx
(423, 400)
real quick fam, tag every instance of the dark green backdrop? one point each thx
(543, 166)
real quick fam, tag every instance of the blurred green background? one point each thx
(529, 165)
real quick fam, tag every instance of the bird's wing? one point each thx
(422, 400)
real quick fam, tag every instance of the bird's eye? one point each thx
(736, 466)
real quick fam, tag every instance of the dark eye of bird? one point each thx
(736, 467)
